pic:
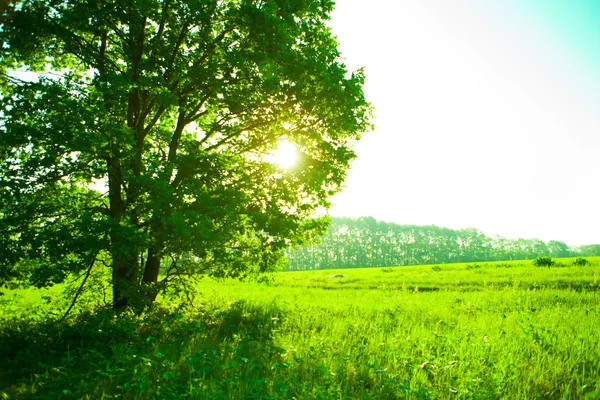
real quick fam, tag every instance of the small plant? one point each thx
(581, 261)
(436, 268)
(543, 261)
(266, 279)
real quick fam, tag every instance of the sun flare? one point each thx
(285, 155)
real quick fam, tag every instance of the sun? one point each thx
(285, 155)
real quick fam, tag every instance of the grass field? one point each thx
(504, 330)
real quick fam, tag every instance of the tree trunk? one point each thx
(123, 281)
(124, 259)
(151, 272)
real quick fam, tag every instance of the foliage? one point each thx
(518, 332)
(170, 108)
(543, 261)
(581, 261)
(366, 242)
(590, 250)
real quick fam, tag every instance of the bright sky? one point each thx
(487, 115)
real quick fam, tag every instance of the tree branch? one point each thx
(78, 293)
(155, 119)
(173, 146)
(182, 34)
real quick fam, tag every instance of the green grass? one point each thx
(461, 277)
(459, 331)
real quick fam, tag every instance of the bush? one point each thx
(581, 261)
(543, 261)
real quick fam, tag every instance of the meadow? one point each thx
(502, 330)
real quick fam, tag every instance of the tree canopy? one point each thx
(143, 144)
(366, 242)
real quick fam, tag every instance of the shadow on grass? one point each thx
(183, 353)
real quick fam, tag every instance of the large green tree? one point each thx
(173, 106)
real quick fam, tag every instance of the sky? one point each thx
(487, 115)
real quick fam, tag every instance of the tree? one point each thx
(174, 105)
(366, 242)
(590, 250)
(558, 249)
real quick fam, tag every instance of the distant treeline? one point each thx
(366, 242)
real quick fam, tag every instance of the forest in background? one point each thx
(366, 242)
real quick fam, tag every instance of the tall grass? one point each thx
(461, 331)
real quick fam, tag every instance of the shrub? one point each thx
(436, 268)
(581, 261)
(543, 261)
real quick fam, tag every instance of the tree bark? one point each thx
(123, 254)
(151, 272)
